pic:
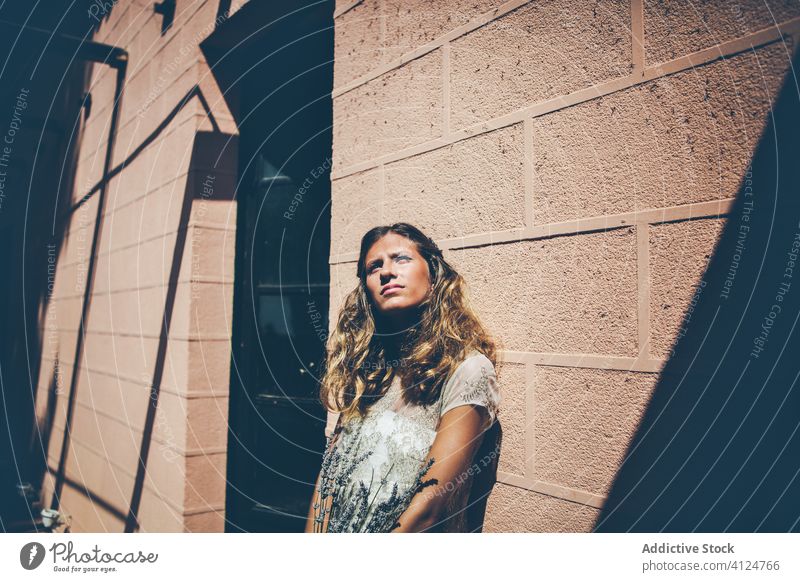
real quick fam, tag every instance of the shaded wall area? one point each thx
(41, 100)
(149, 413)
(718, 448)
(131, 388)
(578, 162)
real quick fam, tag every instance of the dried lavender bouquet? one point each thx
(354, 516)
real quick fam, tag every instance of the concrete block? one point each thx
(515, 510)
(206, 522)
(356, 207)
(583, 422)
(673, 29)
(683, 138)
(358, 42)
(679, 256)
(512, 416)
(475, 185)
(568, 294)
(536, 52)
(206, 480)
(411, 24)
(397, 110)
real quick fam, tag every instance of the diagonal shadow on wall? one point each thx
(718, 447)
(211, 151)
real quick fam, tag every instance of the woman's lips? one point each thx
(391, 290)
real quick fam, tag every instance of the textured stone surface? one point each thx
(134, 258)
(584, 420)
(343, 280)
(203, 487)
(413, 23)
(513, 509)
(397, 110)
(125, 403)
(378, 31)
(567, 294)
(358, 42)
(679, 255)
(105, 452)
(539, 51)
(512, 416)
(208, 521)
(156, 515)
(207, 254)
(475, 185)
(675, 28)
(87, 515)
(679, 139)
(356, 206)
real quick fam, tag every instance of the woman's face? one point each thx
(397, 275)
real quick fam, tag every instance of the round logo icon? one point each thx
(31, 555)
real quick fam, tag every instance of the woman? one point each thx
(410, 370)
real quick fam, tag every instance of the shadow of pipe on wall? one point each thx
(212, 152)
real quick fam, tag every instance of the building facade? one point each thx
(575, 160)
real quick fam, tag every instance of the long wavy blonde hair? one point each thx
(357, 371)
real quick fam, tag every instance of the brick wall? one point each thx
(143, 234)
(576, 161)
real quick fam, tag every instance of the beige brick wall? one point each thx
(184, 488)
(576, 161)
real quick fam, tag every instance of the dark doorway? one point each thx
(275, 65)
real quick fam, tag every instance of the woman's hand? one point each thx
(458, 437)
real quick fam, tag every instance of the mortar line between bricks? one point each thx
(637, 36)
(190, 337)
(174, 127)
(446, 90)
(527, 155)
(530, 421)
(130, 81)
(163, 41)
(150, 487)
(191, 280)
(552, 489)
(588, 361)
(196, 225)
(137, 429)
(643, 286)
(159, 494)
(194, 395)
(429, 47)
(175, 190)
(691, 211)
(538, 109)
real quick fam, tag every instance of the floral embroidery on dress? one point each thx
(349, 503)
(480, 390)
(374, 465)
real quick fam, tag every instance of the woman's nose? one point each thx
(387, 271)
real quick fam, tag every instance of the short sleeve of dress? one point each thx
(474, 382)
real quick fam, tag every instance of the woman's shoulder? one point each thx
(473, 382)
(473, 362)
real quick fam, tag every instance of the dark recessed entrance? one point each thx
(276, 65)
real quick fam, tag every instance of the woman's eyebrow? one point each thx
(392, 255)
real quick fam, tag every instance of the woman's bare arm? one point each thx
(457, 439)
(314, 497)
(311, 512)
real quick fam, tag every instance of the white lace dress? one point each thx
(373, 464)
